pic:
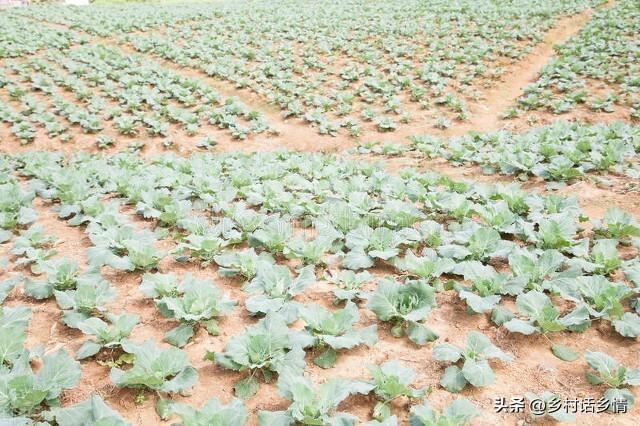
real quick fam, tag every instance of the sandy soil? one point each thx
(294, 134)
(536, 369)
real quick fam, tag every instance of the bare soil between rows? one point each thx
(534, 370)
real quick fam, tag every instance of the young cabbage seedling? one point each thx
(390, 381)
(616, 376)
(405, 306)
(267, 348)
(332, 331)
(474, 357)
(313, 406)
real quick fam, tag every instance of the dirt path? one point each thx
(294, 134)
(225, 89)
(486, 116)
(535, 369)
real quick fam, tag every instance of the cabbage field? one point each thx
(296, 212)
